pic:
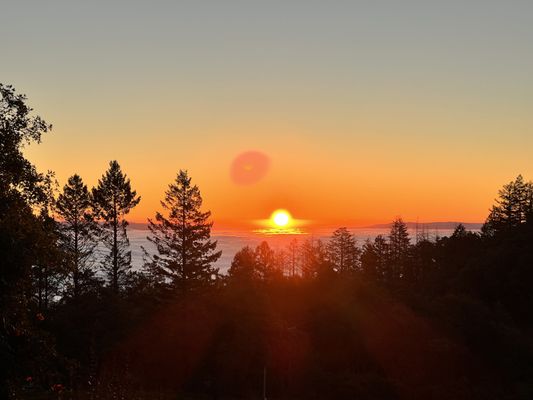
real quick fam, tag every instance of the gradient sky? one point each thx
(368, 110)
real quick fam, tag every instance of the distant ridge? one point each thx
(474, 226)
(432, 225)
(138, 225)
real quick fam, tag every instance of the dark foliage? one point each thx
(79, 233)
(113, 199)
(182, 239)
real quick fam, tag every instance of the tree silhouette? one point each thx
(79, 233)
(267, 262)
(25, 241)
(293, 254)
(381, 248)
(18, 128)
(312, 255)
(513, 207)
(244, 267)
(182, 238)
(343, 252)
(374, 258)
(399, 244)
(48, 270)
(113, 200)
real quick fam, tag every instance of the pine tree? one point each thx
(381, 249)
(79, 233)
(309, 258)
(513, 207)
(185, 251)
(369, 260)
(267, 263)
(343, 252)
(243, 267)
(293, 257)
(399, 246)
(113, 200)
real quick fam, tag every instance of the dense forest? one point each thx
(397, 317)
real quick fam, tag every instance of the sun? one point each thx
(280, 222)
(281, 218)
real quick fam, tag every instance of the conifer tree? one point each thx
(313, 257)
(244, 267)
(369, 260)
(513, 207)
(399, 245)
(267, 264)
(113, 199)
(79, 233)
(381, 249)
(309, 258)
(343, 252)
(293, 253)
(182, 238)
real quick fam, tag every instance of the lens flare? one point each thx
(249, 167)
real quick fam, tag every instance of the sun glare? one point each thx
(280, 222)
(281, 218)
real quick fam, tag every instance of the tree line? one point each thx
(393, 317)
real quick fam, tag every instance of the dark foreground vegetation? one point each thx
(393, 318)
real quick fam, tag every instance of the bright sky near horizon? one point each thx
(367, 110)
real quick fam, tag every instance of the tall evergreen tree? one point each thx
(308, 256)
(513, 207)
(293, 253)
(313, 255)
(267, 263)
(370, 261)
(399, 245)
(381, 249)
(113, 200)
(244, 267)
(79, 233)
(186, 252)
(343, 252)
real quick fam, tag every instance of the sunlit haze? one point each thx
(347, 113)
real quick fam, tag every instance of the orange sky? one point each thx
(366, 111)
(357, 180)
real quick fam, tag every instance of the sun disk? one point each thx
(280, 218)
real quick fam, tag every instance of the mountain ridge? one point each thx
(431, 225)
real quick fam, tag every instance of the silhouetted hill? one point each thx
(432, 225)
(138, 225)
